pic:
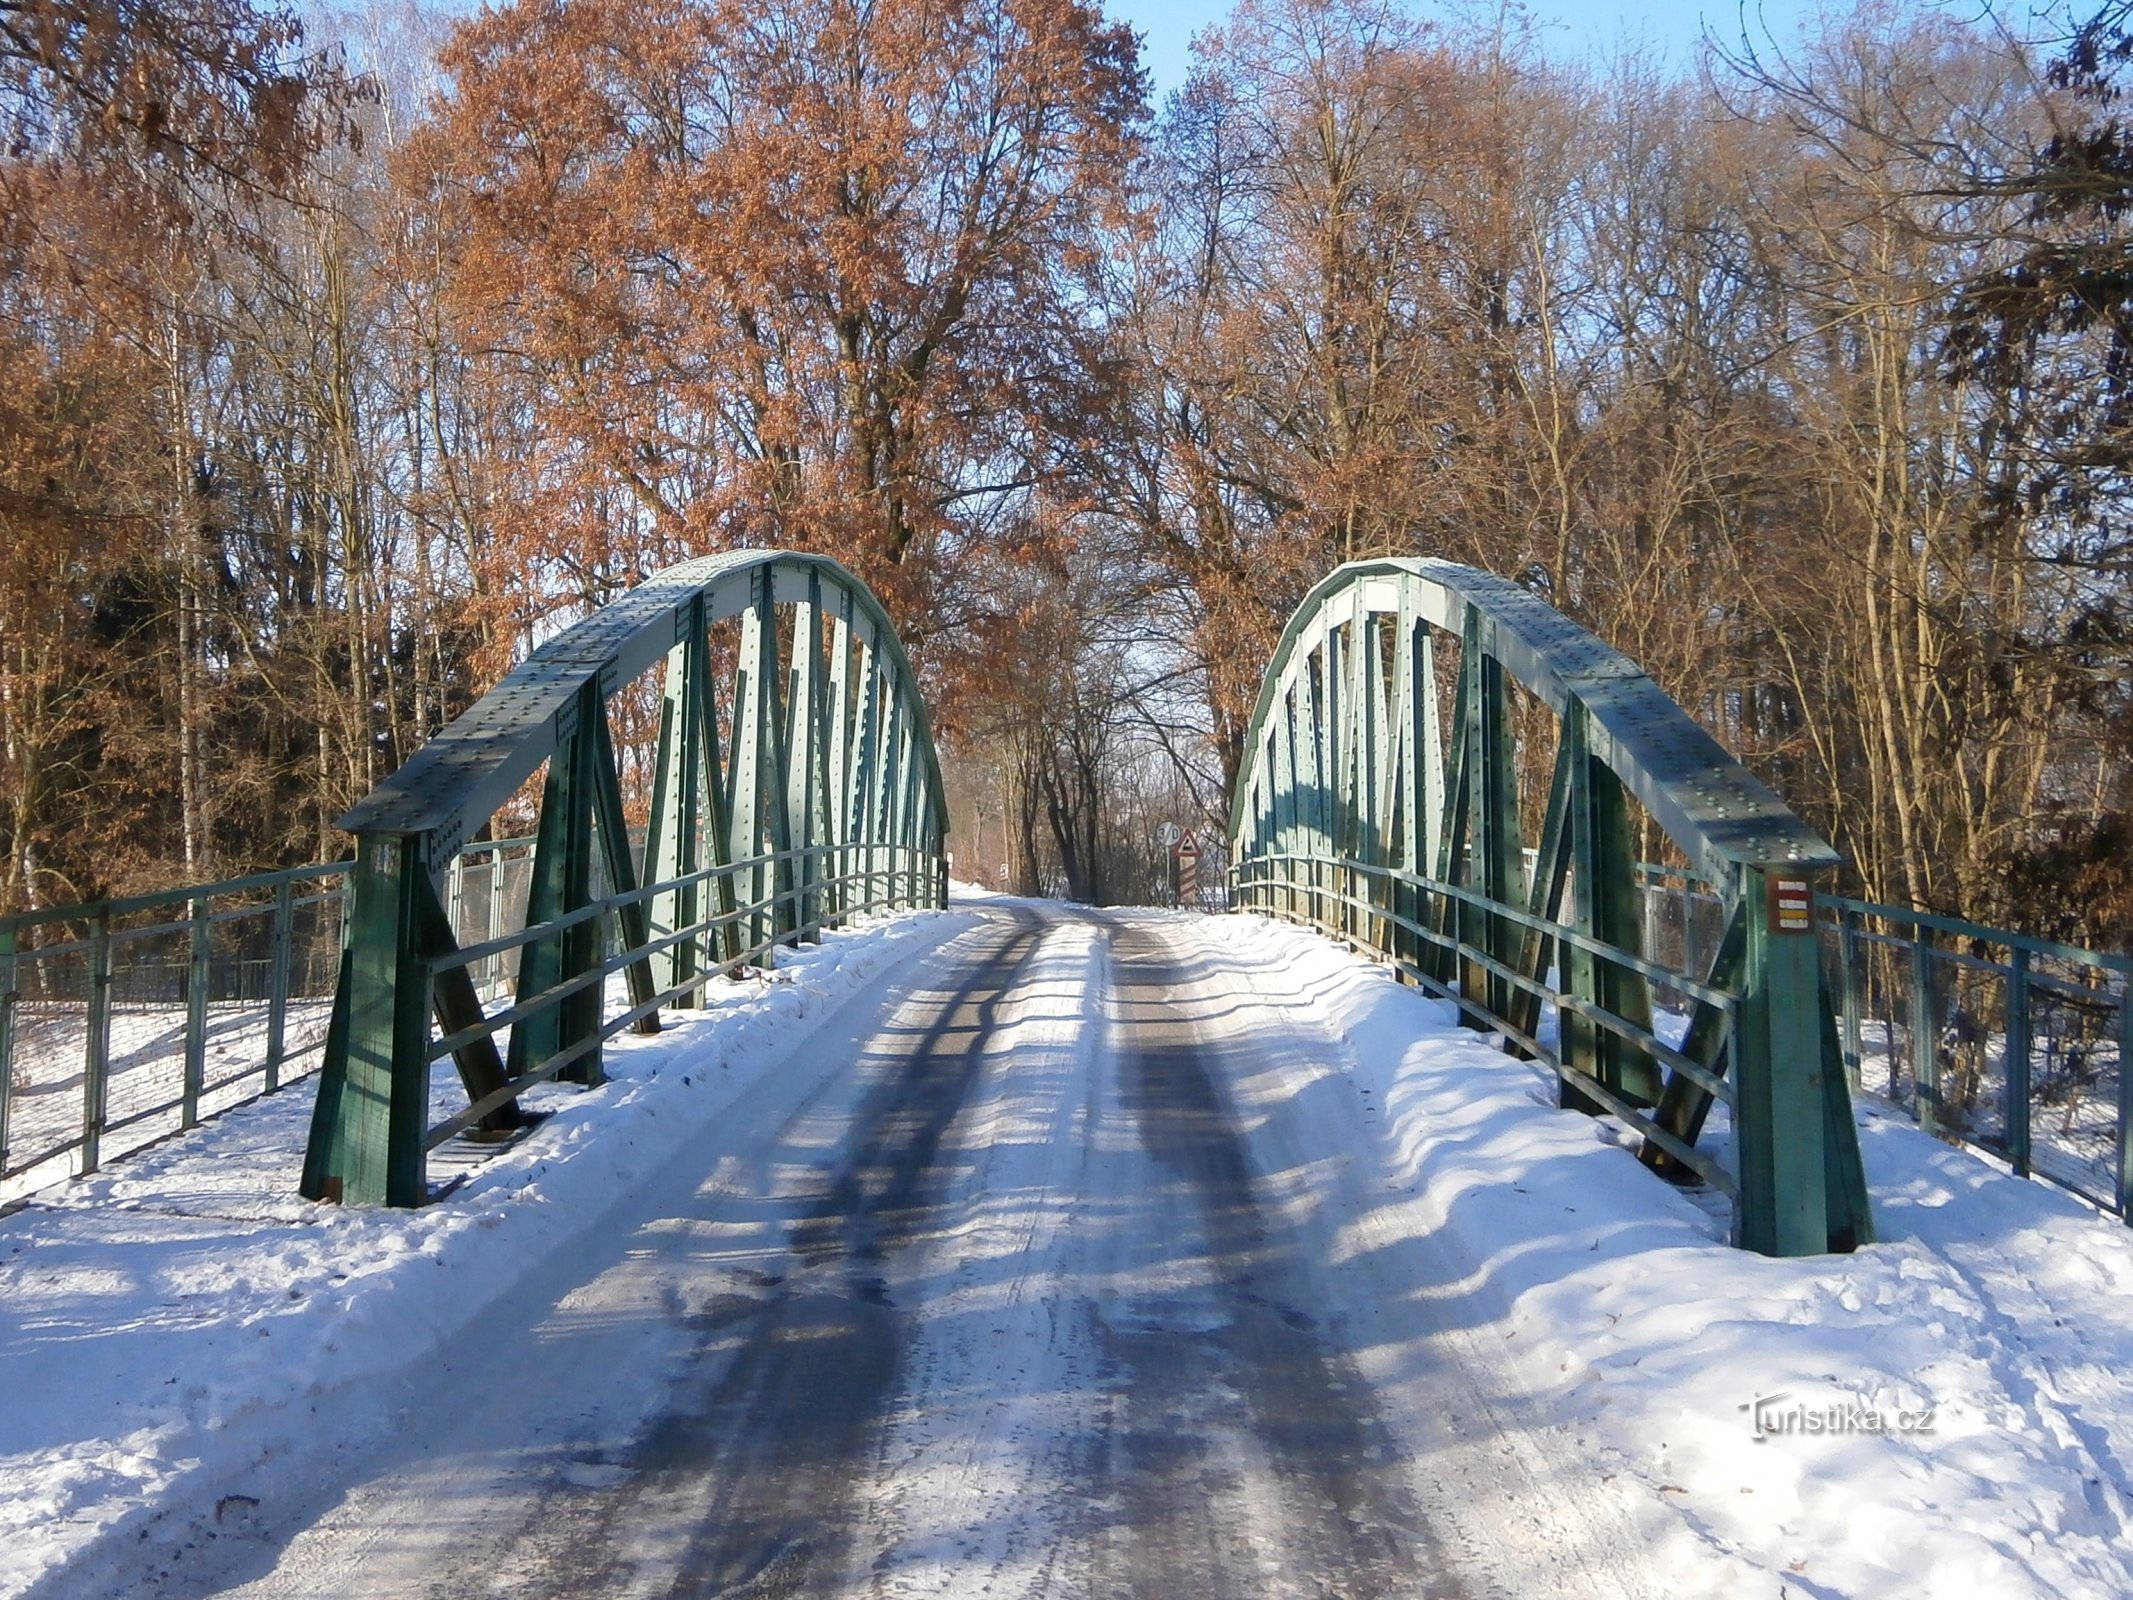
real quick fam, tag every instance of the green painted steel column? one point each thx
(1318, 832)
(1452, 917)
(1289, 824)
(1779, 1126)
(562, 883)
(633, 917)
(1409, 850)
(888, 791)
(1579, 1036)
(673, 838)
(866, 759)
(806, 758)
(837, 774)
(1610, 910)
(375, 1155)
(1551, 874)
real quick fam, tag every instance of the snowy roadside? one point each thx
(1949, 1412)
(182, 1316)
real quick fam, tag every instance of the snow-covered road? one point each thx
(1025, 1250)
(1039, 1300)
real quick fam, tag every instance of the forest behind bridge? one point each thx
(344, 357)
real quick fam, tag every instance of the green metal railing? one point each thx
(123, 1021)
(2010, 1044)
(860, 880)
(1358, 903)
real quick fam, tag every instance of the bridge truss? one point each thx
(810, 794)
(1365, 809)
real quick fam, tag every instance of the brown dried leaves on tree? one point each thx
(813, 273)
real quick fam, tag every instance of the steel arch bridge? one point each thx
(1363, 811)
(823, 800)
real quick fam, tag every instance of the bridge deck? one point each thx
(1142, 1254)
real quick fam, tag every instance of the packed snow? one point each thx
(1568, 1341)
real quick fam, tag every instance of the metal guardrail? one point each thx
(1421, 925)
(2000, 1041)
(124, 1021)
(861, 879)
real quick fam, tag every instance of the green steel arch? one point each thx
(826, 800)
(1362, 808)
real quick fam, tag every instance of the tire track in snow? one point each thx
(745, 1486)
(1241, 1454)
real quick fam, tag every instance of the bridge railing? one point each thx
(2008, 1043)
(123, 1021)
(847, 880)
(1430, 931)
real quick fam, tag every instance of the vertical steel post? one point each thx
(1925, 1031)
(672, 841)
(1288, 818)
(1848, 953)
(1780, 1129)
(278, 980)
(562, 883)
(1319, 675)
(633, 916)
(866, 756)
(196, 982)
(9, 996)
(2016, 1066)
(1429, 730)
(1498, 859)
(886, 788)
(837, 776)
(96, 1067)
(496, 911)
(907, 807)
(1578, 1036)
(754, 737)
(2125, 1094)
(1454, 857)
(369, 1151)
(1408, 825)
(803, 754)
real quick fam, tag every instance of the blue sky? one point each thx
(1570, 28)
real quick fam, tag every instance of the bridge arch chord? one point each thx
(1369, 810)
(823, 800)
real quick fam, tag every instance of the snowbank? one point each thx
(174, 1320)
(1949, 1412)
